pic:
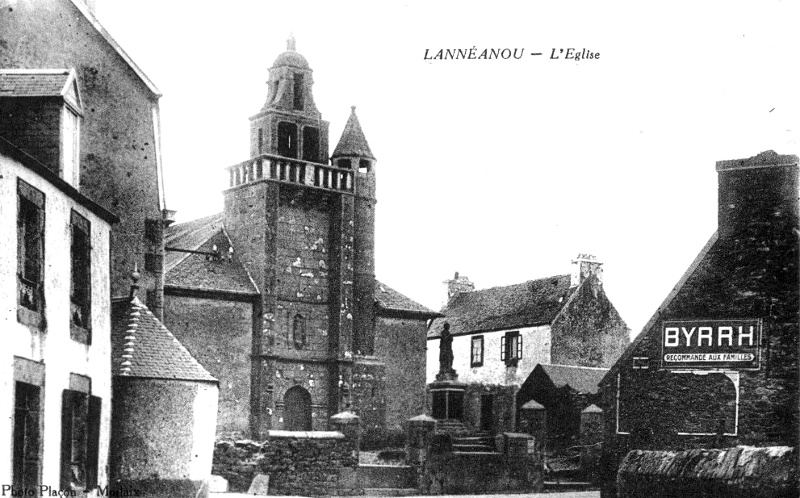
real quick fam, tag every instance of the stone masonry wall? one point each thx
(298, 463)
(401, 343)
(739, 472)
(590, 331)
(218, 333)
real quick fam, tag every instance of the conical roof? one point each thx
(353, 141)
(141, 346)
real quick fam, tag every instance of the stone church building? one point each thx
(277, 295)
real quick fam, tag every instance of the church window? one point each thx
(299, 331)
(287, 139)
(298, 91)
(311, 144)
(476, 359)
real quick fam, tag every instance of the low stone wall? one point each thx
(739, 472)
(298, 463)
(512, 469)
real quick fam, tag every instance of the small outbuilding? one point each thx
(164, 409)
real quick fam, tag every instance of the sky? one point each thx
(501, 169)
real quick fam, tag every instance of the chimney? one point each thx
(457, 285)
(585, 266)
(757, 193)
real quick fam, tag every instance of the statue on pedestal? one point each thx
(446, 371)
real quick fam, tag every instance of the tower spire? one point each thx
(291, 44)
(353, 141)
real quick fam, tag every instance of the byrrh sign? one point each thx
(711, 344)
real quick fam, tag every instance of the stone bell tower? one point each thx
(304, 230)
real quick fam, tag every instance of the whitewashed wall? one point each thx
(60, 354)
(536, 343)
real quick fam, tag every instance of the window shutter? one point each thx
(93, 442)
(503, 348)
(519, 346)
(66, 439)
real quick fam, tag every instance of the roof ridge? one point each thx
(128, 348)
(573, 366)
(35, 71)
(134, 315)
(176, 225)
(519, 283)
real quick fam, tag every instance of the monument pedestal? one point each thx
(447, 398)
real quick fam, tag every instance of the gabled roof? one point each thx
(31, 83)
(389, 300)
(353, 141)
(87, 13)
(626, 355)
(580, 379)
(212, 273)
(35, 82)
(536, 302)
(142, 347)
(189, 235)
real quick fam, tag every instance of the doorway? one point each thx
(297, 403)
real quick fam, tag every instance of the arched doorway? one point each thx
(297, 403)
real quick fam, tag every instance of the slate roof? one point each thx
(353, 141)
(536, 302)
(142, 347)
(34, 82)
(200, 271)
(581, 379)
(190, 235)
(390, 300)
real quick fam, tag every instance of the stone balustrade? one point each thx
(291, 171)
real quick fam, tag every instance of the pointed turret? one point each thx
(353, 152)
(353, 142)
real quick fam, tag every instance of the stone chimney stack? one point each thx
(458, 285)
(585, 266)
(756, 194)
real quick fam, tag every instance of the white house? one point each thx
(55, 306)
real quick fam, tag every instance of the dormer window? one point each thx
(41, 111)
(70, 147)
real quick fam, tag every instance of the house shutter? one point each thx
(93, 441)
(503, 348)
(66, 439)
(519, 346)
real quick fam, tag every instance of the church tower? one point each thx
(304, 230)
(353, 152)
